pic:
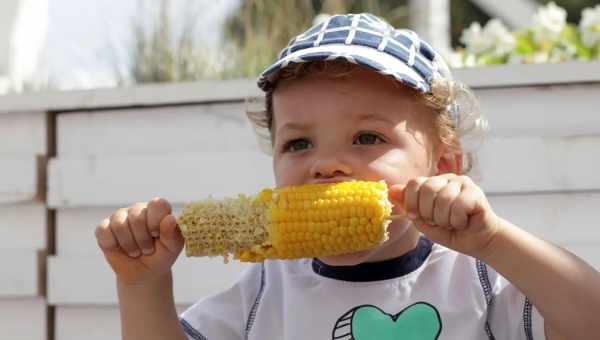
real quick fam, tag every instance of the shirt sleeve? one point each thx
(224, 315)
(511, 315)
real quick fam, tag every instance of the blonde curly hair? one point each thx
(459, 122)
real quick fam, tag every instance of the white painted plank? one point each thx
(507, 165)
(23, 133)
(198, 128)
(564, 218)
(90, 322)
(553, 111)
(89, 280)
(142, 95)
(23, 319)
(569, 217)
(75, 229)
(515, 75)
(23, 226)
(18, 182)
(540, 164)
(86, 280)
(224, 126)
(19, 273)
(237, 90)
(177, 177)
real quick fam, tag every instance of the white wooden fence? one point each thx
(70, 159)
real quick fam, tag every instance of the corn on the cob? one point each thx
(287, 223)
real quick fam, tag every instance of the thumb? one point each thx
(170, 235)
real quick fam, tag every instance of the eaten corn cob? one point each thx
(288, 223)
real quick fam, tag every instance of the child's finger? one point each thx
(119, 224)
(105, 238)
(158, 209)
(427, 196)
(170, 235)
(136, 215)
(443, 203)
(411, 196)
(464, 206)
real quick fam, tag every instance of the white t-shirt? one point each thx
(429, 293)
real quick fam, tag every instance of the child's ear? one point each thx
(449, 161)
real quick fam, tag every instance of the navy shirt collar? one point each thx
(376, 271)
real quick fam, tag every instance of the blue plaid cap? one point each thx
(366, 40)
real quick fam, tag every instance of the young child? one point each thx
(353, 98)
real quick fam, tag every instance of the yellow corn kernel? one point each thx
(310, 220)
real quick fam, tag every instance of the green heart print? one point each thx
(420, 321)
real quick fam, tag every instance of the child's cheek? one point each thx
(286, 171)
(396, 167)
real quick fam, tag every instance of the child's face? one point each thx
(363, 126)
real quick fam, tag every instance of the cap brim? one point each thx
(369, 57)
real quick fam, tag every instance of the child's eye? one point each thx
(297, 145)
(368, 138)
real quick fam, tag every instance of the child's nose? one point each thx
(327, 167)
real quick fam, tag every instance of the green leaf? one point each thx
(525, 44)
(491, 60)
(573, 36)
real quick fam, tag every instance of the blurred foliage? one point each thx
(159, 55)
(464, 12)
(259, 29)
(548, 38)
(154, 59)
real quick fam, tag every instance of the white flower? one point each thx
(474, 40)
(472, 37)
(501, 40)
(548, 22)
(540, 57)
(494, 38)
(590, 26)
(470, 61)
(558, 55)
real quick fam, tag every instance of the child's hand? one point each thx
(140, 242)
(450, 210)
